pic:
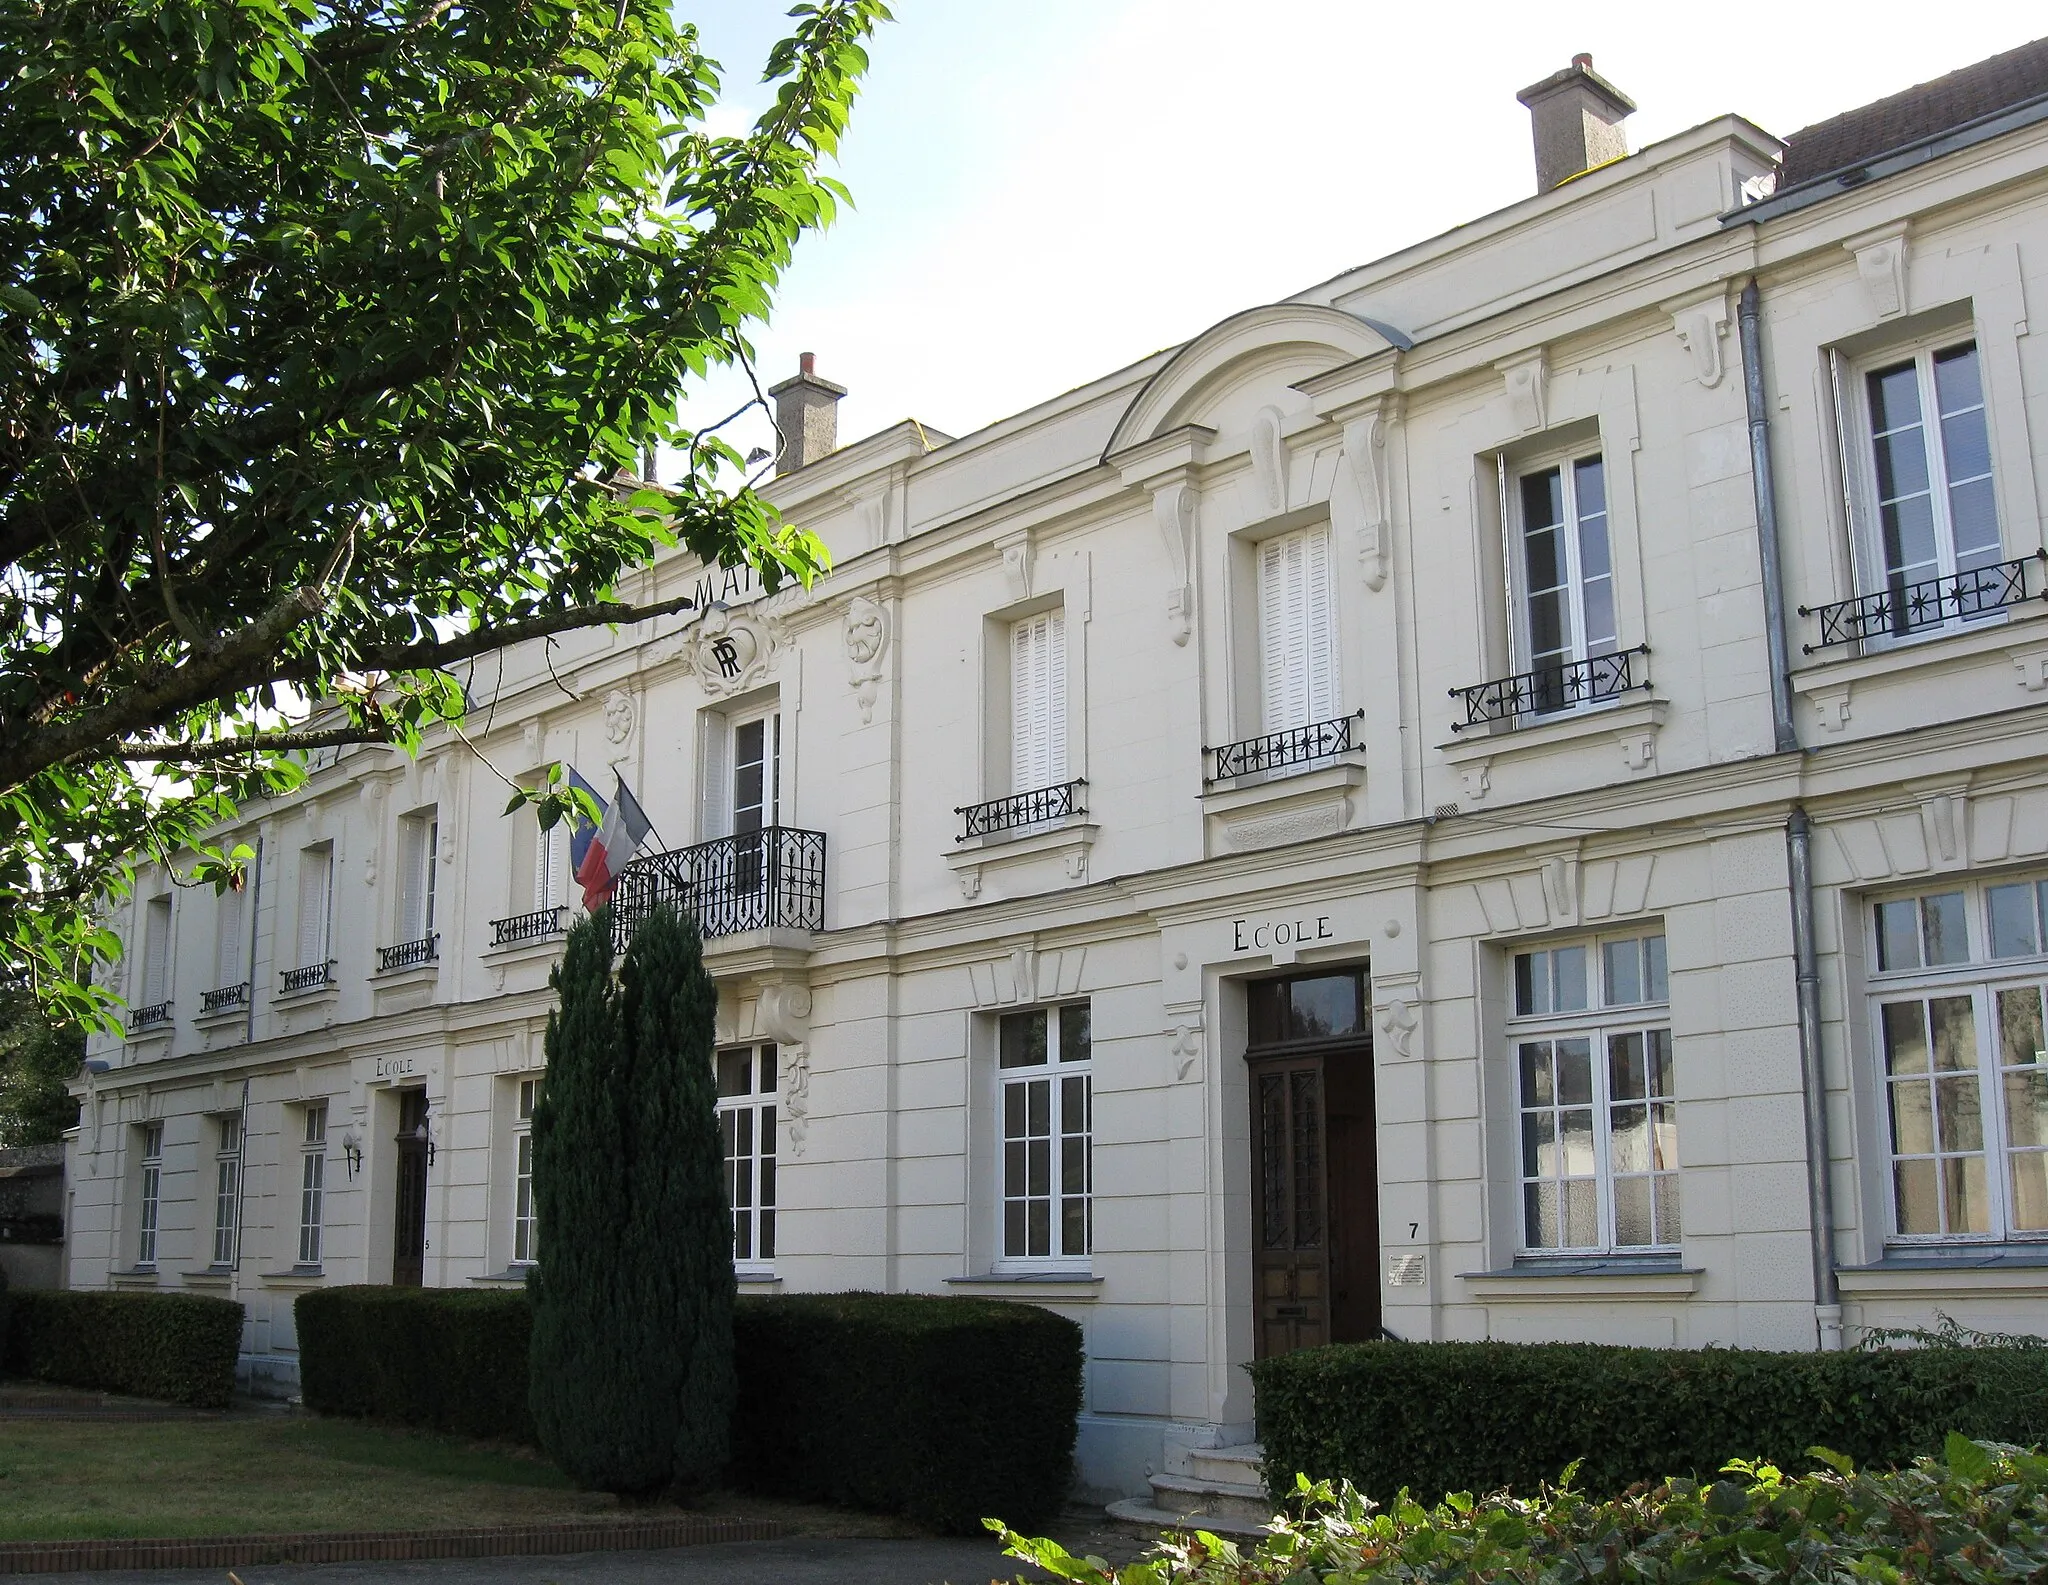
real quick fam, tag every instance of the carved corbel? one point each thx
(1881, 267)
(1398, 1023)
(1173, 508)
(1528, 386)
(865, 633)
(1187, 1043)
(784, 1014)
(1269, 458)
(1365, 449)
(1017, 565)
(1700, 328)
(796, 1094)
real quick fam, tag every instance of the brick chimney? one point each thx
(1575, 116)
(807, 413)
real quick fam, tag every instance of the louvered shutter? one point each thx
(156, 952)
(229, 959)
(316, 870)
(1296, 649)
(715, 783)
(412, 869)
(547, 864)
(1038, 702)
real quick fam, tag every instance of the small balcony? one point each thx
(771, 879)
(313, 977)
(154, 1016)
(1296, 748)
(227, 999)
(410, 954)
(1552, 689)
(1904, 609)
(537, 925)
(1021, 811)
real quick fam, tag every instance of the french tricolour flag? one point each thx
(611, 846)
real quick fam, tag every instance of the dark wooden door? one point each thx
(409, 1230)
(1315, 1199)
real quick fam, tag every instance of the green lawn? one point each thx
(73, 1479)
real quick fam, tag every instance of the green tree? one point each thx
(632, 1378)
(38, 1060)
(332, 336)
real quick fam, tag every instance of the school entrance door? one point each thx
(409, 1229)
(1315, 1162)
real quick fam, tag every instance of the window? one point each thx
(316, 894)
(1042, 1059)
(1927, 474)
(152, 1194)
(1038, 701)
(156, 952)
(227, 1189)
(1566, 578)
(1297, 653)
(746, 1125)
(1308, 1007)
(1957, 1005)
(419, 837)
(230, 948)
(1591, 1038)
(550, 859)
(525, 1224)
(312, 1182)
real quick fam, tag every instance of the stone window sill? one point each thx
(1633, 725)
(1827, 682)
(1033, 1286)
(296, 1277)
(1069, 838)
(1957, 1269)
(758, 1282)
(139, 1277)
(209, 1277)
(1285, 806)
(510, 1277)
(1601, 1280)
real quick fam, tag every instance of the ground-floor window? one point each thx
(1590, 1040)
(525, 1223)
(151, 1197)
(1957, 1009)
(227, 1188)
(746, 1126)
(1044, 1072)
(312, 1182)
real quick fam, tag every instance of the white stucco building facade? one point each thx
(1301, 836)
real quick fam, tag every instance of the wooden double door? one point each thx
(409, 1226)
(1315, 1178)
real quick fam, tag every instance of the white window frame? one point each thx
(149, 1200)
(747, 1124)
(312, 1182)
(157, 957)
(1299, 681)
(1602, 1016)
(1579, 647)
(1059, 1139)
(1873, 570)
(525, 1219)
(1038, 701)
(227, 1188)
(419, 838)
(1983, 983)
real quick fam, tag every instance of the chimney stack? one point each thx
(1575, 116)
(807, 413)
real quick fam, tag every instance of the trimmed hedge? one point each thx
(1438, 1417)
(448, 1359)
(944, 1410)
(179, 1347)
(4, 1306)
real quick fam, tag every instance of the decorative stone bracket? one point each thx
(1365, 449)
(1173, 508)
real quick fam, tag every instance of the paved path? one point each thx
(925, 1561)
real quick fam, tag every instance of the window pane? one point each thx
(1656, 978)
(1575, 1072)
(735, 1072)
(1894, 397)
(1631, 1212)
(1013, 1228)
(1660, 1063)
(1022, 1040)
(1038, 1105)
(1536, 1085)
(1898, 935)
(1039, 1216)
(1912, 1117)
(1569, 965)
(1963, 1195)
(1581, 1215)
(1539, 1144)
(1539, 1215)
(767, 1086)
(2019, 1028)
(1532, 983)
(1628, 1148)
(1959, 1109)
(1626, 1079)
(1955, 1034)
(2026, 1108)
(1623, 965)
(1945, 928)
(1905, 1037)
(1543, 499)
(1266, 1011)
(1075, 1033)
(1667, 1208)
(1973, 514)
(1575, 1142)
(1323, 1007)
(2011, 913)
(1914, 1197)
(2030, 1191)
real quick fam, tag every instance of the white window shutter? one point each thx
(714, 737)
(1320, 702)
(1055, 697)
(316, 869)
(156, 952)
(229, 959)
(411, 877)
(1038, 702)
(1297, 649)
(547, 864)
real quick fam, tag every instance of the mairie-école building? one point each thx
(1503, 796)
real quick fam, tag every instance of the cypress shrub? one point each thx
(440, 1358)
(180, 1347)
(943, 1410)
(1439, 1417)
(632, 1374)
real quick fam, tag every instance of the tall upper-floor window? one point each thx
(149, 1194)
(1928, 456)
(316, 902)
(1297, 630)
(1957, 1005)
(746, 1126)
(1565, 574)
(1038, 701)
(1591, 1045)
(230, 945)
(156, 952)
(419, 837)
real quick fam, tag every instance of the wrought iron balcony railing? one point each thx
(1552, 689)
(149, 1017)
(310, 978)
(535, 926)
(771, 879)
(1907, 608)
(410, 954)
(220, 1001)
(1034, 808)
(1297, 745)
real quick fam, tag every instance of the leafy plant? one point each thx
(1977, 1513)
(333, 334)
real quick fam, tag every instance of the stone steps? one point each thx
(1203, 1488)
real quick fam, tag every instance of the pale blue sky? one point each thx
(1049, 189)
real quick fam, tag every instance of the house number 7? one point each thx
(1413, 1228)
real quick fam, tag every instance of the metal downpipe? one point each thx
(1764, 482)
(1820, 1192)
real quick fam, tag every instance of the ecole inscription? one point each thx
(396, 1067)
(1250, 937)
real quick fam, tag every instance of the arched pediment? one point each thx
(1307, 335)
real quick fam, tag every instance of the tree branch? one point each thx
(481, 641)
(256, 743)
